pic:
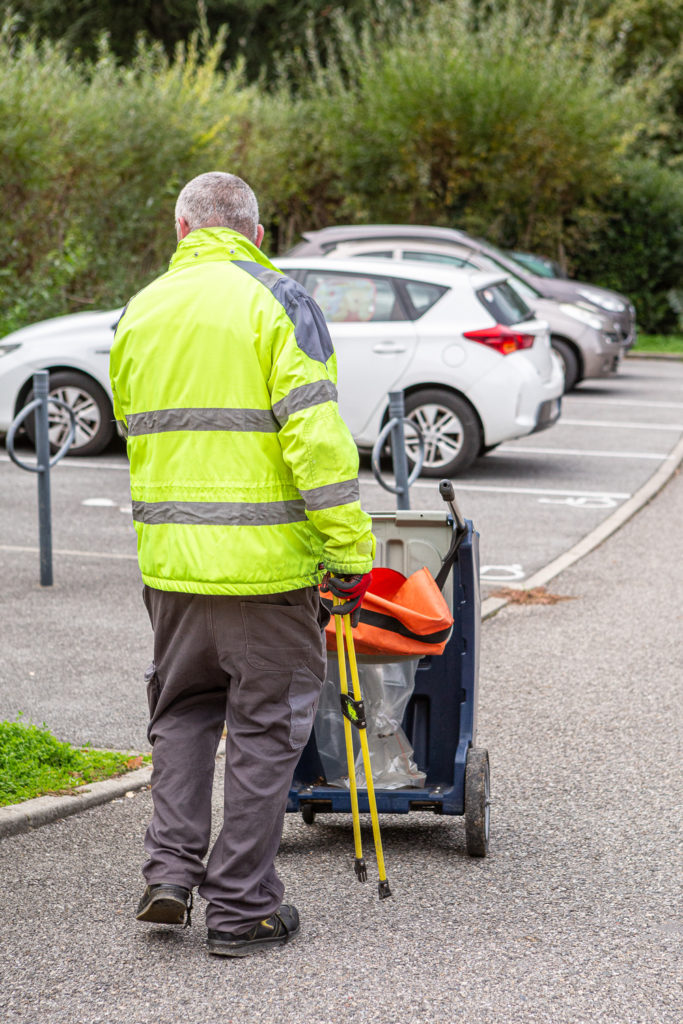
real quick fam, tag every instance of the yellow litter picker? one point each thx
(353, 711)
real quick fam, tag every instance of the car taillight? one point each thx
(502, 338)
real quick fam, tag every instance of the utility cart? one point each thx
(439, 721)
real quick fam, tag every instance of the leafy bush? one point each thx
(637, 247)
(500, 125)
(502, 119)
(93, 157)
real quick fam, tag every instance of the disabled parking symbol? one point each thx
(501, 573)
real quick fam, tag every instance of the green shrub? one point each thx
(93, 157)
(500, 125)
(637, 247)
(501, 119)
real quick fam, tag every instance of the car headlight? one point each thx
(6, 349)
(582, 315)
(604, 301)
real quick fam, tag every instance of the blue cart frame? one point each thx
(440, 722)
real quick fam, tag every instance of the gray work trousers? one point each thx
(256, 664)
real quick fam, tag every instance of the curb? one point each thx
(492, 605)
(42, 810)
(675, 357)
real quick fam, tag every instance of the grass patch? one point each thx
(33, 763)
(667, 344)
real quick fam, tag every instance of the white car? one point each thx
(476, 368)
(586, 338)
(75, 349)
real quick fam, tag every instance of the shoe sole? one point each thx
(246, 948)
(163, 910)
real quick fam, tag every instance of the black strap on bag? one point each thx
(392, 625)
(459, 535)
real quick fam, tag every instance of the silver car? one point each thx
(589, 339)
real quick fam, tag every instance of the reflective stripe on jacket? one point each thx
(244, 477)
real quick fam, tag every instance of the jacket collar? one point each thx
(216, 244)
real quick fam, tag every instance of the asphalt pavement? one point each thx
(572, 918)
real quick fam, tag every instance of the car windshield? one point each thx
(528, 293)
(536, 264)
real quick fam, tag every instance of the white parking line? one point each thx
(67, 551)
(81, 464)
(522, 448)
(525, 490)
(618, 423)
(596, 400)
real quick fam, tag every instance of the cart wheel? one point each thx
(308, 813)
(477, 801)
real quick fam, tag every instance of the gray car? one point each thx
(588, 342)
(384, 239)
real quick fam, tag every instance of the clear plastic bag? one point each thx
(386, 690)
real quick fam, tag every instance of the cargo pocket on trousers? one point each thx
(153, 688)
(304, 692)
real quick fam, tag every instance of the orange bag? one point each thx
(400, 616)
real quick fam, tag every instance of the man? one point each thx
(244, 485)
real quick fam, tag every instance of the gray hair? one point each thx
(217, 199)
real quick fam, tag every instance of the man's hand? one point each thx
(350, 590)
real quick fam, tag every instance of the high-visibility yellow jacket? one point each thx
(244, 477)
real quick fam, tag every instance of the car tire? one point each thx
(570, 362)
(450, 429)
(91, 406)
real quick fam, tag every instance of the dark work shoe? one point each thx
(165, 904)
(277, 929)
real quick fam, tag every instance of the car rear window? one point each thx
(504, 304)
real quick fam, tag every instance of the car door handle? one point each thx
(388, 348)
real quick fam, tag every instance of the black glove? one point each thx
(350, 590)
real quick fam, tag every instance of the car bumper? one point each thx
(508, 411)
(548, 413)
(603, 361)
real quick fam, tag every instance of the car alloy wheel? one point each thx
(450, 430)
(92, 409)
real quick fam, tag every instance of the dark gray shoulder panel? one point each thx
(310, 329)
(123, 313)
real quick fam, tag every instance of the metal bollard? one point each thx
(41, 386)
(399, 458)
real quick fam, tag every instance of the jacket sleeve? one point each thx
(316, 443)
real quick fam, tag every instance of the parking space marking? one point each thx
(664, 381)
(590, 503)
(529, 490)
(501, 573)
(515, 450)
(618, 423)
(68, 551)
(596, 400)
(78, 463)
